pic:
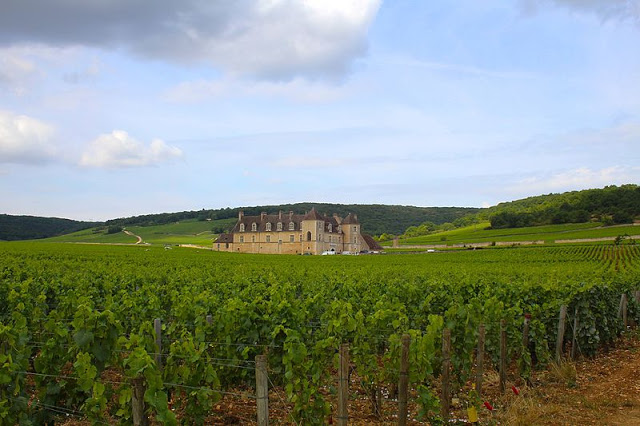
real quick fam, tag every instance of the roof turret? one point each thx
(313, 215)
(351, 219)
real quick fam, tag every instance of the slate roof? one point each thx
(262, 220)
(225, 238)
(351, 219)
(373, 244)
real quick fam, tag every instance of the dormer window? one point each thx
(330, 228)
(254, 227)
(242, 227)
(268, 228)
(279, 226)
(292, 226)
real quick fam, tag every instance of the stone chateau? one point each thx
(289, 233)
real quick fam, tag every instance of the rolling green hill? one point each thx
(375, 218)
(482, 233)
(608, 206)
(191, 231)
(13, 228)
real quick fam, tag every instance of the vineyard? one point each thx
(120, 335)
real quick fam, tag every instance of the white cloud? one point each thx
(283, 38)
(275, 39)
(24, 139)
(118, 149)
(576, 179)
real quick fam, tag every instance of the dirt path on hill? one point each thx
(134, 235)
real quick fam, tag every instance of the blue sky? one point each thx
(127, 107)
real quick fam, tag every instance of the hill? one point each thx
(189, 231)
(375, 218)
(609, 205)
(13, 228)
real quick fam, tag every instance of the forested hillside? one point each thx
(609, 205)
(375, 218)
(14, 228)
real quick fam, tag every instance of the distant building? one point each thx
(310, 233)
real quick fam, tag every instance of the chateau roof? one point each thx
(225, 238)
(285, 218)
(351, 219)
(314, 215)
(373, 244)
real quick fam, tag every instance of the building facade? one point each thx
(289, 233)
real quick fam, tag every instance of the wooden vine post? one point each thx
(262, 390)
(157, 326)
(138, 406)
(503, 356)
(525, 332)
(560, 339)
(622, 310)
(445, 399)
(480, 359)
(525, 341)
(574, 342)
(343, 385)
(403, 386)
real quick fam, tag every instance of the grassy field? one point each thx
(549, 234)
(185, 232)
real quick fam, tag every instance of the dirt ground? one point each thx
(600, 391)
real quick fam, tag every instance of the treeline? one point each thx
(13, 228)
(375, 218)
(609, 205)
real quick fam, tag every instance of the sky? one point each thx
(126, 107)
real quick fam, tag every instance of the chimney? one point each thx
(280, 215)
(337, 218)
(290, 214)
(263, 215)
(240, 215)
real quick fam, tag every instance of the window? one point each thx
(355, 229)
(279, 226)
(242, 239)
(309, 236)
(330, 228)
(268, 228)
(292, 226)
(242, 227)
(300, 237)
(254, 227)
(268, 238)
(253, 238)
(355, 240)
(292, 238)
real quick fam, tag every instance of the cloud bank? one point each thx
(25, 140)
(118, 150)
(274, 39)
(577, 179)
